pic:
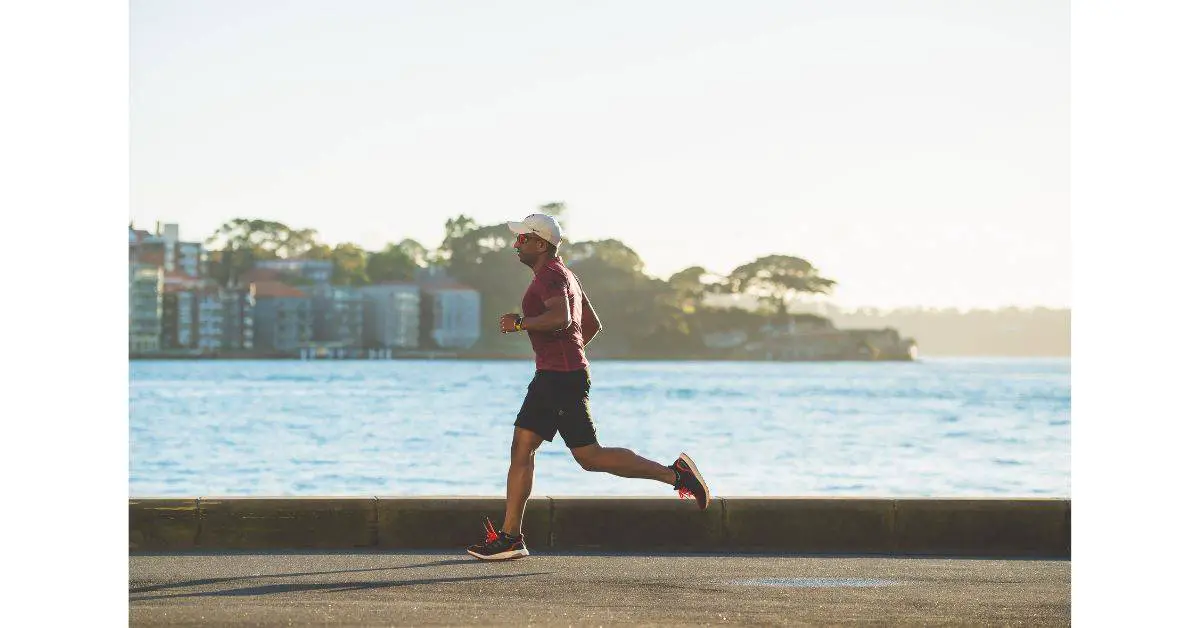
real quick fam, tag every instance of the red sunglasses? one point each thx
(522, 238)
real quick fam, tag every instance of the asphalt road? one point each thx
(407, 588)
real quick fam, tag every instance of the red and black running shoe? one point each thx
(689, 482)
(498, 545)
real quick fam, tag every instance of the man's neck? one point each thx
(541, 263)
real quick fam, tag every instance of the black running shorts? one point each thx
(557, 402)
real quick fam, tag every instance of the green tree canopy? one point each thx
(267, 239)
(244, 240)
(779, 280)
(482, 257)
(470, 248)
(394, 263)
(417, 252)
(692, 284)
(456, 231)
(641, 314)
(611, 252)
(349, 265)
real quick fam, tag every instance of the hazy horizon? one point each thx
(916, 152)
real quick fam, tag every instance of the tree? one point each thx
(482, 258)
(349, 265)
(296, 242)
(246, 240)
(501, 281)
(611, 252)
(779, 280)
(227, 265)
(456, 230)
(393, 263)
(641, 314)
(319, 252)
(692, 284)
(267, 239)
(416, 252)
(468, 249)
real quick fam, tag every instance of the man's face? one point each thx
(529, 247)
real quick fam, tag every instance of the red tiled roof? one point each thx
(152, 257)
(139, 235)
(276, 289)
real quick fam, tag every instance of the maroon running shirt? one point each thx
(560, 350)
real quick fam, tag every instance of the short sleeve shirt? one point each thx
(559, 350)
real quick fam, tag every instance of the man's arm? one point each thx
(590, 323)
(557, 315)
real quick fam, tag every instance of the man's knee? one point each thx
(522, 453)
(524, 446)
(588, 457)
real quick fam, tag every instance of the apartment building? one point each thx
(145, 307)
(337, 313)
(392, 315)
(452, 315)
(283, 317)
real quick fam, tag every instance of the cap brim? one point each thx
(519, 227)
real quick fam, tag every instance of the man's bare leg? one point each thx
(520, 478)
(622, 462)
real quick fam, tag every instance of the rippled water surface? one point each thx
(939, 427)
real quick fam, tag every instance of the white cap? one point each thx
(545, 227)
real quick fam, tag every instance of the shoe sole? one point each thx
(696, 472)
(511, 555)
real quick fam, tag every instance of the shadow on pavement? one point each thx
(192, 583)
(267, 589)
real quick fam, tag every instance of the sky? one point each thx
(916, 152)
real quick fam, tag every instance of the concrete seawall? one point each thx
(1007, 528)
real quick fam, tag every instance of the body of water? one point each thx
(934, 428)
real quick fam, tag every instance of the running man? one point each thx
(560, 322)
